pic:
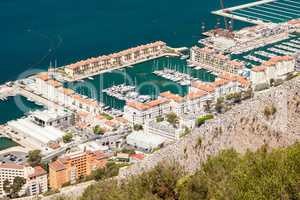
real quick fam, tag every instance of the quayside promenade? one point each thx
(126, 58)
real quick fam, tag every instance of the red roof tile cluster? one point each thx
(171, 96)
(57, 165)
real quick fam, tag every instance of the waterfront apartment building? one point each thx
(73, 166)
(194, 102)
(126, 57)
(276, 69)
(139, 113)
(36, 178)
(54, 91)
(211, 59)
(248, 38)
(177, 103)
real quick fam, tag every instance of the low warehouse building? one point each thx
(145, 141)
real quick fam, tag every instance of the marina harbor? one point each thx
(89, 117)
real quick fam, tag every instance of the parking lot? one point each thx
(17, 157)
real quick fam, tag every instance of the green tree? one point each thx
(172, 118)
(201, 120)
(12, 190)
(264, 174)
(219, 106)
(6, 186)
(34, 158)
(159, 119)
(98, 130)
(235, 97)
(270, 110)
(128, 151)
(248, 94)
(207, 105)
(67, 137)
(137, 127)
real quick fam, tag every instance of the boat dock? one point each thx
(6, 91)
(181, 78)
(265, 54)
(259, 12)
(126, 92)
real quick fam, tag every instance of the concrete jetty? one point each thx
(227, 12)
(6, 91)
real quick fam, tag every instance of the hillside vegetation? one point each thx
(263, 174)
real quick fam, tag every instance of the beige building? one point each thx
(36, 178)
(138, 113)
(129, 56)
(211, 59)
(54, 91)
(73, 166)
(277, 68)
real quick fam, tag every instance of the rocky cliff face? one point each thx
(247, 126)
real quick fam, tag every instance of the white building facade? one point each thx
(277, 68)
(36, 178)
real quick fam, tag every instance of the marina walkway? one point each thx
(276, 11)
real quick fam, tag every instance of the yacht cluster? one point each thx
(126, 92)
(173, 75)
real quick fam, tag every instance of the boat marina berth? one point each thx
(123, 106)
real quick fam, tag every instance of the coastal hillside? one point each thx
(272, 117)
(264, 174)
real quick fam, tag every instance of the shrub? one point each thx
(270, 111)
(199, 142)
(201, 120)
(67, 137)
(138, 127)
(235, 97)
(172, 118)
(34, 158)
(159, 119)
(98, 130)
(219, 106)
(255, 175)
(107, 116)
(186, 131)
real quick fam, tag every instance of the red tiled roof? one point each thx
(11, 166)
(57, 165)
(137, 105)
(259, 69)
(172, 96)
(100, 155)
(38, 171)
(157, 102)
(195, 95)
(202, 86)
(220, 82)
(138, 156)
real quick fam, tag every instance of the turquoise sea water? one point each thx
(141, 76)
(33, 33)
(12, 109)
(6, 143)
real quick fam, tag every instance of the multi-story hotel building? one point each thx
(36, 178)
(277, 68)
(199, 93)
(74, 166)
(54, 91)
(129, 56)
(139, 113)
(213, 60)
